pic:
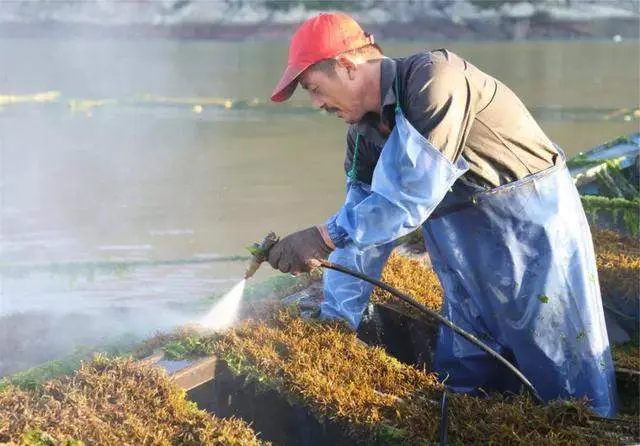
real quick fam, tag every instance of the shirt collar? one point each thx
(387, 94)
(387, 76)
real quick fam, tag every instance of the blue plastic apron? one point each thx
(516, 263)
(518, 268)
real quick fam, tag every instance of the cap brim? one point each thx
(287, 83)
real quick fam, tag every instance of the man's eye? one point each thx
(314, 89)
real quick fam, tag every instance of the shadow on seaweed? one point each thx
(277, 419)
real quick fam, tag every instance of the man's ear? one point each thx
(348, 64)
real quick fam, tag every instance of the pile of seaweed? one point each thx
(412, 276)
(618, 259)
(113, 401)
(324, 366)
(627, 355)
(375, 398)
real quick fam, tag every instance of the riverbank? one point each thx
(537, 27)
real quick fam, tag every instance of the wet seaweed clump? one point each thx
(618, 260)
(412, 276)
(113, 401)
(376, 399)
(627, 355)
(182, 342)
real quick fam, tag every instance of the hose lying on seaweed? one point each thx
(441, 319)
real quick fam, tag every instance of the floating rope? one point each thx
(199, 104)
(111, 265)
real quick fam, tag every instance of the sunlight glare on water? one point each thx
(225, 311)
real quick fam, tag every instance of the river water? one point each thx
(158, 168)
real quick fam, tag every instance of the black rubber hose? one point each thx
(408, 299)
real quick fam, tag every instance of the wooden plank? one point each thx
(195, 374)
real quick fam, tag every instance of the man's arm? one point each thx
(346, 297)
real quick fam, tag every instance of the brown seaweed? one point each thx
(325, 367)
(113, 401)
(413, 277)
(627, 356)
(618, 260)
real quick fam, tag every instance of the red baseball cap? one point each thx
(321, 37)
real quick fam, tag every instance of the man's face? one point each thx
(337, 93)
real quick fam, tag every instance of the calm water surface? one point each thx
(147, 181)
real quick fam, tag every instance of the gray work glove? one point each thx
(299, 252)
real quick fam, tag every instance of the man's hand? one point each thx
(299, 252)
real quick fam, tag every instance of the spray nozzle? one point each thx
(260, 253)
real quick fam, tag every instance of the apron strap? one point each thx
(352, 174)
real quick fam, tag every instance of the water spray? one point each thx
(260, 253)
(225, 311)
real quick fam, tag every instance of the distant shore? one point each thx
(502, 29)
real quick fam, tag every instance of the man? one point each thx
(435, 143)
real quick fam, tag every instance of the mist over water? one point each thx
(119, 181)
